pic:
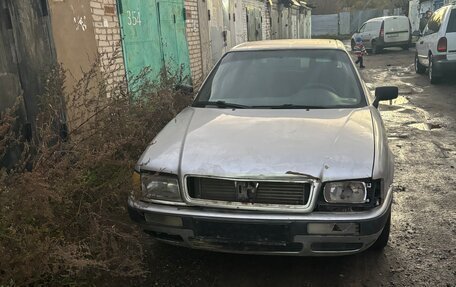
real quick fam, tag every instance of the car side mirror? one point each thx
(416, 33)
(385, 94)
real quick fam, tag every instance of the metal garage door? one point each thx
(153, 34)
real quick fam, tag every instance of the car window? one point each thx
(318, 78)
(435, 22)
(371, 26)
(452, 22)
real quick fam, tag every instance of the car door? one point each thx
(428, 42)
(420, 46)
(360, 32)
(374, 30)
(451, 35)
(367, 35)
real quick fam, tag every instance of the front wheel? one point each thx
(419, 69)
(382, 240)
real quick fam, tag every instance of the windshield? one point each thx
(283, 79)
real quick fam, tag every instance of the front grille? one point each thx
(260, 192)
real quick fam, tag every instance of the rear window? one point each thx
(324, 78)
(397, 24)
(452, 23)
(372, 26)
(435, 22)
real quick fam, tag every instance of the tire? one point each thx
(405, 47)
(382, 240)
(433, 79)
(419, 68)
(375, 48)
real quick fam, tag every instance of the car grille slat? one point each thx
(265, 192)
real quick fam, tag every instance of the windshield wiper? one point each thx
(220, 104)
(292, 106)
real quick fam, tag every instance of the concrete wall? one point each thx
(346, 23)
(325, 25)
(359, 17)
(74, 38)
(84, 30)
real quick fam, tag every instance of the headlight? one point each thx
(345, 192)
(159, 187)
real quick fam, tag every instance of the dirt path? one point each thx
(422, 250)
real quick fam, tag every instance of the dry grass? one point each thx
(65, 222)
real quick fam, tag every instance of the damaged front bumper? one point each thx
(253, 232)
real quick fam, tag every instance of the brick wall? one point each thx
(194, 41)
(107, 36)
(267, 21)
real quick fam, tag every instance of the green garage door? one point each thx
(174, 43)
(153, 34)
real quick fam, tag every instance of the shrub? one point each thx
(65, 222)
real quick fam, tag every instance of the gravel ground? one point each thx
(422, 248)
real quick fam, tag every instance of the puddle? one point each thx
(434, 126)
(401, 100)
(398, 69)
(404, 88)
(420, 126)
(394, 104)
(398, 136)
(395, 76)
(425, 126)
(370, 86)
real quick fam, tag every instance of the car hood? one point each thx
(329, 144)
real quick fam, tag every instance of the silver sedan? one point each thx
(283, 151)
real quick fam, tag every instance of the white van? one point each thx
(383, 32)
(436, 48)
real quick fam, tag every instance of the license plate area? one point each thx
(242, 232)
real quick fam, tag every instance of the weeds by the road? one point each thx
(63, 217)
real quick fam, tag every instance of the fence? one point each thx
(325, 24)
(346, 23)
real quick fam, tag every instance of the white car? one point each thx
(384, 32)
(283, 151)
(436, 48)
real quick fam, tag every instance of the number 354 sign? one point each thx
(133, 18)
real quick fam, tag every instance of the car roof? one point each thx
(290, 44)
(385, 17)
(451, 6)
